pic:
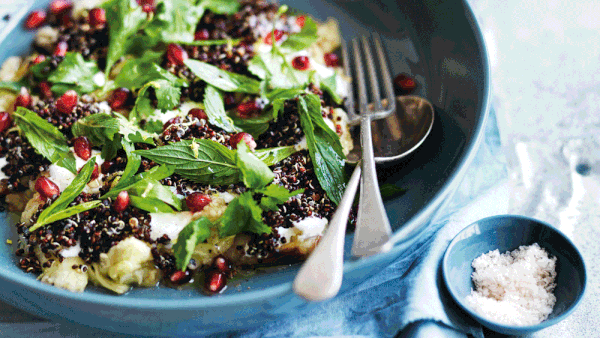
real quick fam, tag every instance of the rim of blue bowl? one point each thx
(513, 328)
(402, 238)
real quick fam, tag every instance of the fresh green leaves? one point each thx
(304, 39)
(98, 128)
(215, 110)
(221, 6)
(175, 20)
(242, 214)
(273, 68)
(255, 173)
(324, 147)
(59, 207)
(45, 138)
(11, 86)
(76, 73)
(197, 231)
(222, 79)
(272, 156)
(329, 85)
(276, 194)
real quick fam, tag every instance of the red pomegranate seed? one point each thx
(60, 6)
(269, 38)
(222, 264)
(82, 148)
(180, 277)
(106, 165)
(39, 59)
(23, 99)
(46, 188)
(202, 34)
(61, 48)
(248, 109)
(95, 173)
(301, 62)
(67, 102)
(5, 121)
(338, 129)
(404, 84)
(331, 59)
(237, 138)
(35, 19)
(198, 113)
(197, 201)
(176, 54)
(300, 21)
(45, 89)
(174, 120)
(119, 98)
(97, 17)
(215, 281)
(121, 202)
(147, 5)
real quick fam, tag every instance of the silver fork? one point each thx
(321, 275)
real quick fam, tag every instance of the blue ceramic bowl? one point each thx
(437, 42)
(507, 233)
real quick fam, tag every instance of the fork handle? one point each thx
(372, 225)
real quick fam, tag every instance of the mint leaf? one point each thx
(276, 71)
(175, 20)
(242, 214)
(45, 138)
(132, 132)
(255, 126)
(221, 6)
(150, 204)
(329, 85)
(232, 42)
(11, 86)
(67, 196)
(76, 72)
(152, 189)
(215, 110)
(125, 18)
(98, 128)
(195, 232)
(302, 40)
(70, 211)
(138, 72)
(133, 164)
(224, 80)
(276, 194)
(141, 180)
(324, 148)
(255, 173)
(272, 156)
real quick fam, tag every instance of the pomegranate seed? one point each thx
(97, 17)
(67, 102)
(61, 48)
(198, 113)
(176, 54)
(180, 277)
(237, 138)
(215, 281)
(202, 34)
(122, 201)
(119, 98)
(82, 148)
(39, 59)
(46, 188)
(301, 62)
(338, 129)
(147, 5)
(222, 264)
(60, 6)
(174, 120)
(248, 109)
(5, 121)
(35, 19)
(197, 201)
(300, 21)
(45, 89)
(331, 59)
(95, 173)
(269, 38)
(23, 99)
(106, 165)
(404, 84)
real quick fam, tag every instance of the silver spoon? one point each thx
(400, 134)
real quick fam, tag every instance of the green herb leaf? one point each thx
(302, 40)
(175, 20)
(272, 156)
(133, 164)
(232, 42)
(224, 80)
(255, 126)
(138, 72)
(75, 72)
(221, 6)
(276, 194)
(152, 189)
(150, 204)
(133, 133)
(242, 214)
(141, 180)
(255, 173)
(110, 148)
(195, 232)
(70, 211)
(324, 148)
(215, 110)
(67, 196)
(125, 18)
(44, 137)
(98, 128)
(277, 72)
(329, 85)
(11, 86)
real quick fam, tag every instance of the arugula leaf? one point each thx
(215, 110)
(272, 156)
(76, 72)
(67, 196)
(242, 214)
(222, 79)
(150, 204)
(329, 85)
(125, 18)
(302, 40)
(45, 138)
(175, 20)
(255, 173)
(197, 231)
(276, 194)
(221, 6)
(98, 128)
(324, 148)
(70, 211)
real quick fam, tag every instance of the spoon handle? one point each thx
(372, 225)
(320, 277)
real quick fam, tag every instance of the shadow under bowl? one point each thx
(507, 233)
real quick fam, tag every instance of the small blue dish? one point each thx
(507, 233)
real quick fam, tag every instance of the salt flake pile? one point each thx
(514, 288)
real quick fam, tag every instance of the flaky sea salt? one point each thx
(514, 288)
